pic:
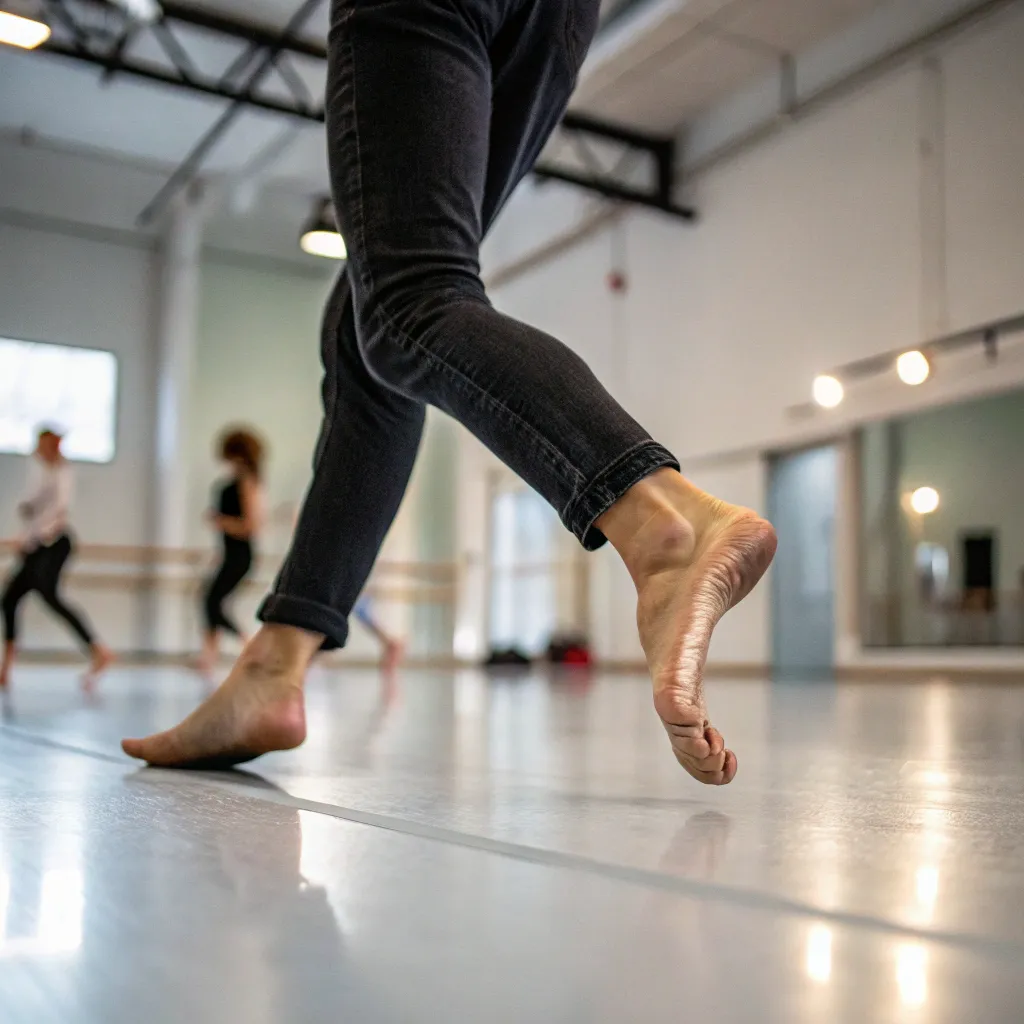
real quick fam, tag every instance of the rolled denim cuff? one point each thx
(314, 618)
(611, 484)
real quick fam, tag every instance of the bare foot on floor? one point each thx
(257, 709)
(692, 558)
(102, 659)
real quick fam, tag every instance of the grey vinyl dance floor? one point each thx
(517, 850)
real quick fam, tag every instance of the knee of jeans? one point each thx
(398, 329)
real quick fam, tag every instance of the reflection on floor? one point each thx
(517, 849)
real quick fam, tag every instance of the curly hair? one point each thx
(239, 444)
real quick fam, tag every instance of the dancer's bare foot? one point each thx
(101, 659)
(692, 558)
(258, 708)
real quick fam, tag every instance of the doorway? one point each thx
(802, 503)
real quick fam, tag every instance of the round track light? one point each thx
(913, 368)
(924, 500)
(828, 391)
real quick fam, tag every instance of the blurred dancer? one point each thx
(467, 92)
(237, 516)
(45, 546)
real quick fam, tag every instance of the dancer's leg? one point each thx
(52, 560)
(391, 647)
(233, 569)
(18, 586)
(409, 120)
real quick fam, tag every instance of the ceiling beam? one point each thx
(249, 31)
(117, 63)
(265, 49)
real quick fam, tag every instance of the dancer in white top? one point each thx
(45, 545)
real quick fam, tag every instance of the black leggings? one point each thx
(40, 571)
(233, 569)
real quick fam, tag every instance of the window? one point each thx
(71, 388)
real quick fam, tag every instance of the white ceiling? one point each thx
(656, 65)
(691, 53)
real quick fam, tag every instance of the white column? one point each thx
(177, 323)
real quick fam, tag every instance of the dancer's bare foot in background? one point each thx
(692, 558)
(257, 709)
(101, 658)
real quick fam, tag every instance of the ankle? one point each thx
(656, 523)
(281, 650)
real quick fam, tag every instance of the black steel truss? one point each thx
(659, 182)
(97, 32)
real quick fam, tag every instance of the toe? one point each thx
(133, 748)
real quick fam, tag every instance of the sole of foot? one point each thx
(681, 598)
(252, 713)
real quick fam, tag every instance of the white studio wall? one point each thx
(813, 249)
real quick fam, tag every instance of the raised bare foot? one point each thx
(692, 558)
(258, 708)
(102, 659)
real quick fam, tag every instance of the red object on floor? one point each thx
(577, 656)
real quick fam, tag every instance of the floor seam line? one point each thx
(675, 884)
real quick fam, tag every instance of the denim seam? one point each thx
(303, 603)
(361, 225)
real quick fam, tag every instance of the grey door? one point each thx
(802, 498)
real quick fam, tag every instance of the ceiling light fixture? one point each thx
(23, 24)
(913, 368)
(828, 391)
(320, 235)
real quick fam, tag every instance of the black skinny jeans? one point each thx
(436, 109)
(234, 567)
(40, 571)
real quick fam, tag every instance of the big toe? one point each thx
(153, 749)
(133, 748)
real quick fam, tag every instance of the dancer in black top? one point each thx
(237, 515)
(45, 546)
